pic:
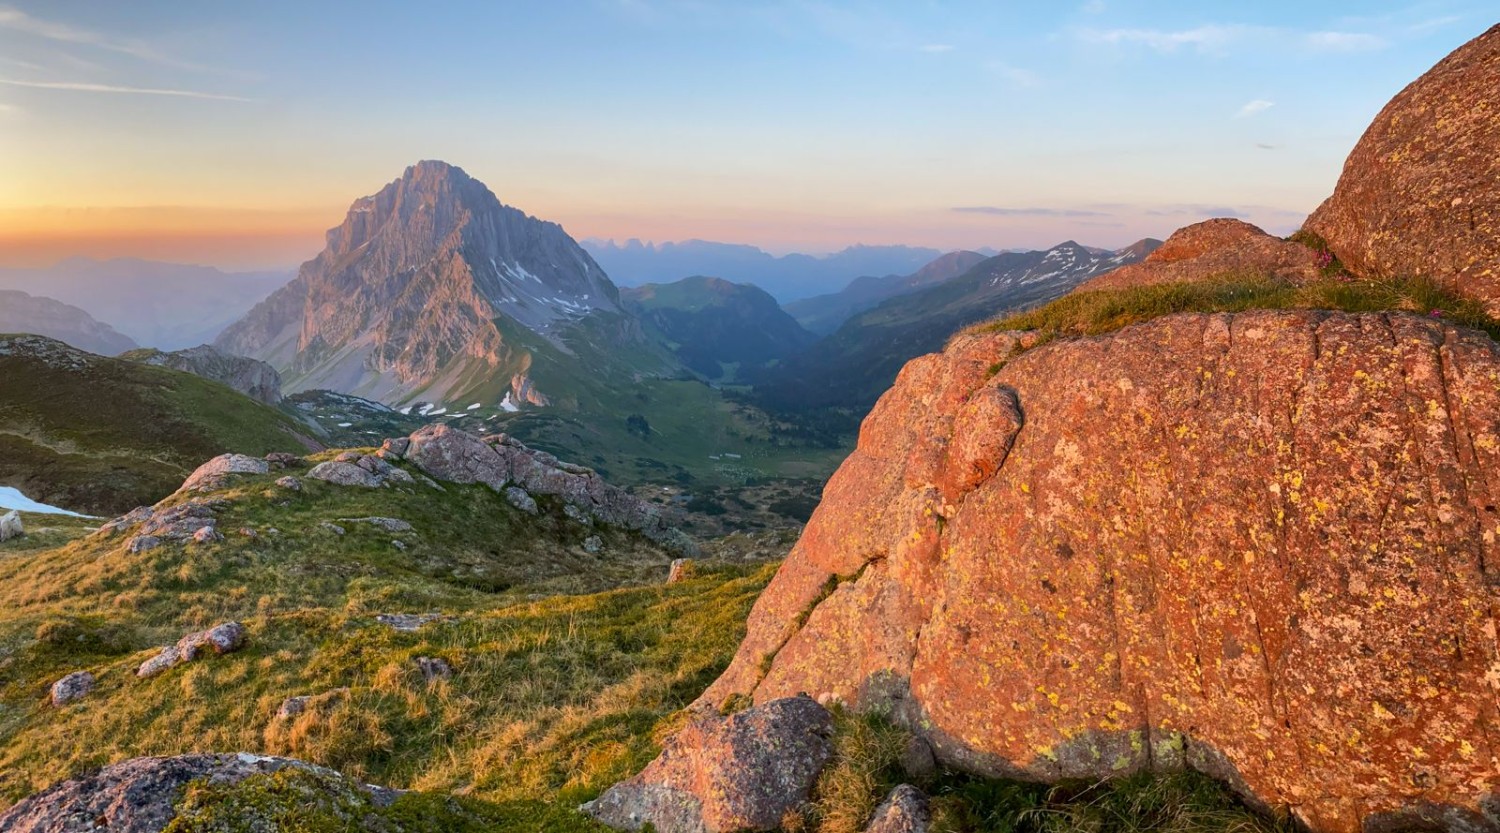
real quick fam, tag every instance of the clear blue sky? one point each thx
(235, 133)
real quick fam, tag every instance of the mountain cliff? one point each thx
(412, 293)
(23, 313)
(255, 379)
(711, 323)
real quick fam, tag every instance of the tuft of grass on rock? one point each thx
(1107, 310)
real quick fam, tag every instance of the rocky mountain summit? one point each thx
(1420, 194)
(404, 299)
(255, 379)
(23, 313)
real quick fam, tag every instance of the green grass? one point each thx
(1104, 311)
(115, 434)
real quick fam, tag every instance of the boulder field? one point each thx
(1262, 545)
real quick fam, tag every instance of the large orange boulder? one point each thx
(1262, 545)
(1420, 194)
(1215, 249)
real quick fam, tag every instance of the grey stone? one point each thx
(220, 639)
(207, 535)
(342, 473)
(681, 570)
(217, 473)
(593, 544)
(143, 543)
(332, 527)
(521, 499)
(141, 795)
(905, 810)
(289, 483)
(409, 622)
(11, 526)
(721, 774)
(75, 686)
(433, 668)
(387, 524)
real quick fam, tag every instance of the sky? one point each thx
(235, 134)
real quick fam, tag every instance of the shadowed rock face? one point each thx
(1259, 544)
(1420, 194)
(1214, 248)
(255, 379)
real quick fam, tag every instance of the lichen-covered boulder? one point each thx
(1259, 544)
(11, 526)
(726, 774)
(218, 472)
(1420, 193)
(142, 795)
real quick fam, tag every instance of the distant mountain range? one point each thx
(849, 369)
(23, 313)
(823, 314)
(787, 278)
(717, 328)
(168, 306)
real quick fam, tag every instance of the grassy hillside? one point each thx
(552, 697)
(101, 435)
(715, 327)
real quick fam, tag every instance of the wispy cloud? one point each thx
(1266, 146)
(999, 211)
(17, 20)
(1013, 75)
(79, 87)
(1093, 7)
(1344, 42)
(1251, 108)
(1219, 38)
(938, 47)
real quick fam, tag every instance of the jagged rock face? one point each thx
(1420, 194)
(1214, 248)
(23, 313)
(404, 297)
(1258, 544)
(256, 379)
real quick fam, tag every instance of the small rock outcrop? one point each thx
(11, 526)
(192, 520)
(1211, 249)
(71, 688)
(905, 810)
(219, 472)
(384, 524)
(504, 463)
(255, 379)
(141, 795)
(364, 470)
(220, 639)
(1251, 544)
(726, 774)
(682, 569)
(1420, 193)
(409, 622)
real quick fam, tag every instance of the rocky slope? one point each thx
(822, 314)
(23, 313)
(1254, 544)
(255, 379)
(848, 370)
(1420, 194)
(404, 301)
(709, 323)
(100, 435)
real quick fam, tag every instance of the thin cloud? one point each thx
(1218, 38)
(1093, 7)
(938, 47)
(1266, 146)
(1252, 108)
(1015, 76)
(118, 90)
(16, 20)
(1344, 42)
(999, 211)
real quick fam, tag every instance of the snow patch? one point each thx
(476, 406)
(507, 405)
(13, 499)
